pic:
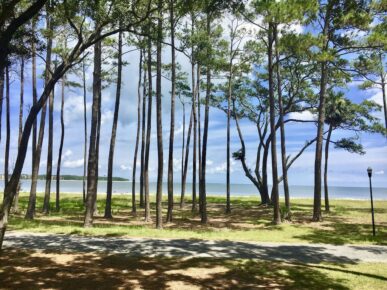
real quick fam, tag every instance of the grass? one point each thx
(22, 269)
(349, 221)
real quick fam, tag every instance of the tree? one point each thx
(334, 44)
(159, 189)
(62, 135)
(108, 210)
(172, 122)
(140, 66)
(36, 163)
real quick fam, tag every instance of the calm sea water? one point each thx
(125, 187)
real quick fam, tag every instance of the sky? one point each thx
(345, 169)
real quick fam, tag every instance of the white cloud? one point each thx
(304, 116)
(106, 116)
(125, 167)
(380, 172)
(73, 163)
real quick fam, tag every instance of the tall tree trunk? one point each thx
(203, 201)
(383, 83)
(34, 96)
(137, 133)
(35, 172)
(144, 94)
(47, 193)
(326, 189)
(108, 207)
(199, 147)
(85, 131)
(172, 123)
(194, 148)
(58, 168)
(92, 173)
(21, 108)
(148, 133)
(1, 96)
(186, 160)
(320, 122)
(228, 205)
(275, 196)
(282, 126)
(8, 125)
(182, 159)
(159, 190)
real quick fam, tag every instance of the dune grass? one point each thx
(349, 221)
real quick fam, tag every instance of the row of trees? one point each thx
(258, 69)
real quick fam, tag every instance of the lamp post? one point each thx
(369, 171)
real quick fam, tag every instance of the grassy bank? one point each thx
(21, 269)
(349, 221)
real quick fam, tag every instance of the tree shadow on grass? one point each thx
(339, 233)
(36, 270)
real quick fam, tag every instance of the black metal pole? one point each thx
(372, 209)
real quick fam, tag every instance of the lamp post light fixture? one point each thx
(369, 171)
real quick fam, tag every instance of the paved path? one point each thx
(306, 253)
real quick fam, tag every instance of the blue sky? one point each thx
(345, 169)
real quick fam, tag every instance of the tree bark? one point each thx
(21, 110)
(275, 196)
(159, 190)
(326, 189)
(36, 164)
(92, 173)
(144, 94)
(172, 122)
(186, 160)
(282, 126)
(137, 134)
(58, 168)
(47, 193)
(320, 123)
(1, 97)
(8, 126)
(203, 200)
(85, 131)
(182, 159)
(148, 132)
(228, 205)
(34, 97)
(108, 207)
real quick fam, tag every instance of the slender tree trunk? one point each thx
(326, 189)
(194, 148)
(108, 207)
(144, 94)
(85, 131)
(34, 97)
(21, 107)
(97, 151)
(383, 78)
(186, 160)
(275, 196)
(8, 125)
(228, 205)
(58, 168)
(35, 172)
(47, 193)
(1, 96)
(92, 173)
(137, 134)
(148, 133)
(172, 123)
(203, 200)
(199, 147)
(182, 159)
(282, 127)
(159, 190)
(320, 123)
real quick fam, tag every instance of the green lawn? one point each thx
(348, 222)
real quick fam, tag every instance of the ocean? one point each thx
(219, 189)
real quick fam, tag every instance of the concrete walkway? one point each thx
(305, 253)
